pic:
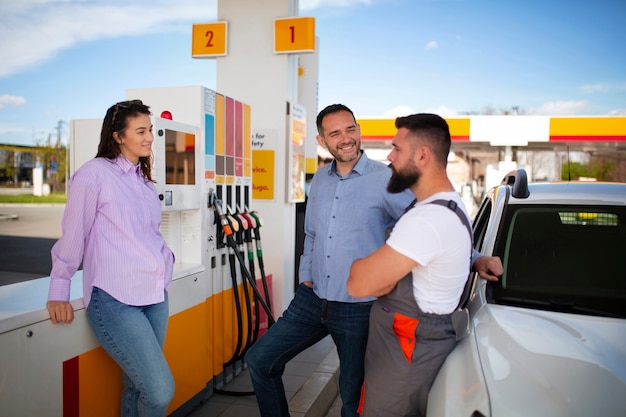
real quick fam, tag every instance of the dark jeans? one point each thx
(307, 320)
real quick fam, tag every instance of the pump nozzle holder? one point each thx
(250, 219)
(244, 220)
(256, 216)
(233, 222)
(228, 231)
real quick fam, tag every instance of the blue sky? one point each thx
(72, 59)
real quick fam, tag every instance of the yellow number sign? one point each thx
(294, 34)
(209, 40)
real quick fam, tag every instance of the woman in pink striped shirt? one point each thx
(111, 224)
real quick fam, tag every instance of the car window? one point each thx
(480, 223)
(564, 258)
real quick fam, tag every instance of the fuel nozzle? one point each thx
(228, 231)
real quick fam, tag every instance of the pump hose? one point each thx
(257, 310)
(229, 223)
(233, 276)
(243, 225)
(252, 224)
(230, 241)
(231, 244)
(259, 254)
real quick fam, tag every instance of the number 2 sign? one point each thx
(294, 34)
(209, 40)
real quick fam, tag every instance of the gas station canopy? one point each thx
(601, 133)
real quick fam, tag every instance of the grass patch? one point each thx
(53, 198)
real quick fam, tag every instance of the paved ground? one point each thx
(27, 233)
(335, 409)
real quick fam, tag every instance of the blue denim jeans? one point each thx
(133, 337)
(307, 320)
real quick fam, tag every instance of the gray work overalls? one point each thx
(402, 362)
(405, 354)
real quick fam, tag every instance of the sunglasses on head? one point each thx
(124, 105)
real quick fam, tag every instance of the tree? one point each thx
(600, 167)
(53, 159)
(8, 169)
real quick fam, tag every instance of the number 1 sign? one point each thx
(294, 34)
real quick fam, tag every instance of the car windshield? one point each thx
(563, 258)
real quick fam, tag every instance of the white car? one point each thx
(548, 339)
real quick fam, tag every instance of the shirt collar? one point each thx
(359, 168)
(126, 166)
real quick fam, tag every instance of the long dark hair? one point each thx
(116, 120)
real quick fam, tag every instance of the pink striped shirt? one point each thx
(111, 224)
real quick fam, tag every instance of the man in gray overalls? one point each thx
(419, 274)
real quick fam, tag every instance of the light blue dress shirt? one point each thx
(346, 218)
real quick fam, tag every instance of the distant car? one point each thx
(548, 339)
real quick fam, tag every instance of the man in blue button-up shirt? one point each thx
(347, 213)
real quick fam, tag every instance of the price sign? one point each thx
(209, 40)
(294, 35)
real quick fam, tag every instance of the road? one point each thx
(27, 233)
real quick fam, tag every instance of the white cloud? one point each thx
(443, 111)
(618, 112)
(7, 129)
(7, 100)
(604, 87)
(33, 31)
(398, 111)
(562, 108)
(595, 88)
(402, 110)
(431, 45)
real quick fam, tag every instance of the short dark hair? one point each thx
(433, 129)
(333, 108)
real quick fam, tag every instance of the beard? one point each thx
(348, 158)
(342, 156)
(400, 181)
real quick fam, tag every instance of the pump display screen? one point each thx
(179, 158)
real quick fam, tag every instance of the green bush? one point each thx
(53, 198)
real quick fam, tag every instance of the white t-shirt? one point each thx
(435, 238)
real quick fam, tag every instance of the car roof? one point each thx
(596, 193)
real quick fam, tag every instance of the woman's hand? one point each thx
(60, 311)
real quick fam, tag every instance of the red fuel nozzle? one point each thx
(250, 220)
(244, 220)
